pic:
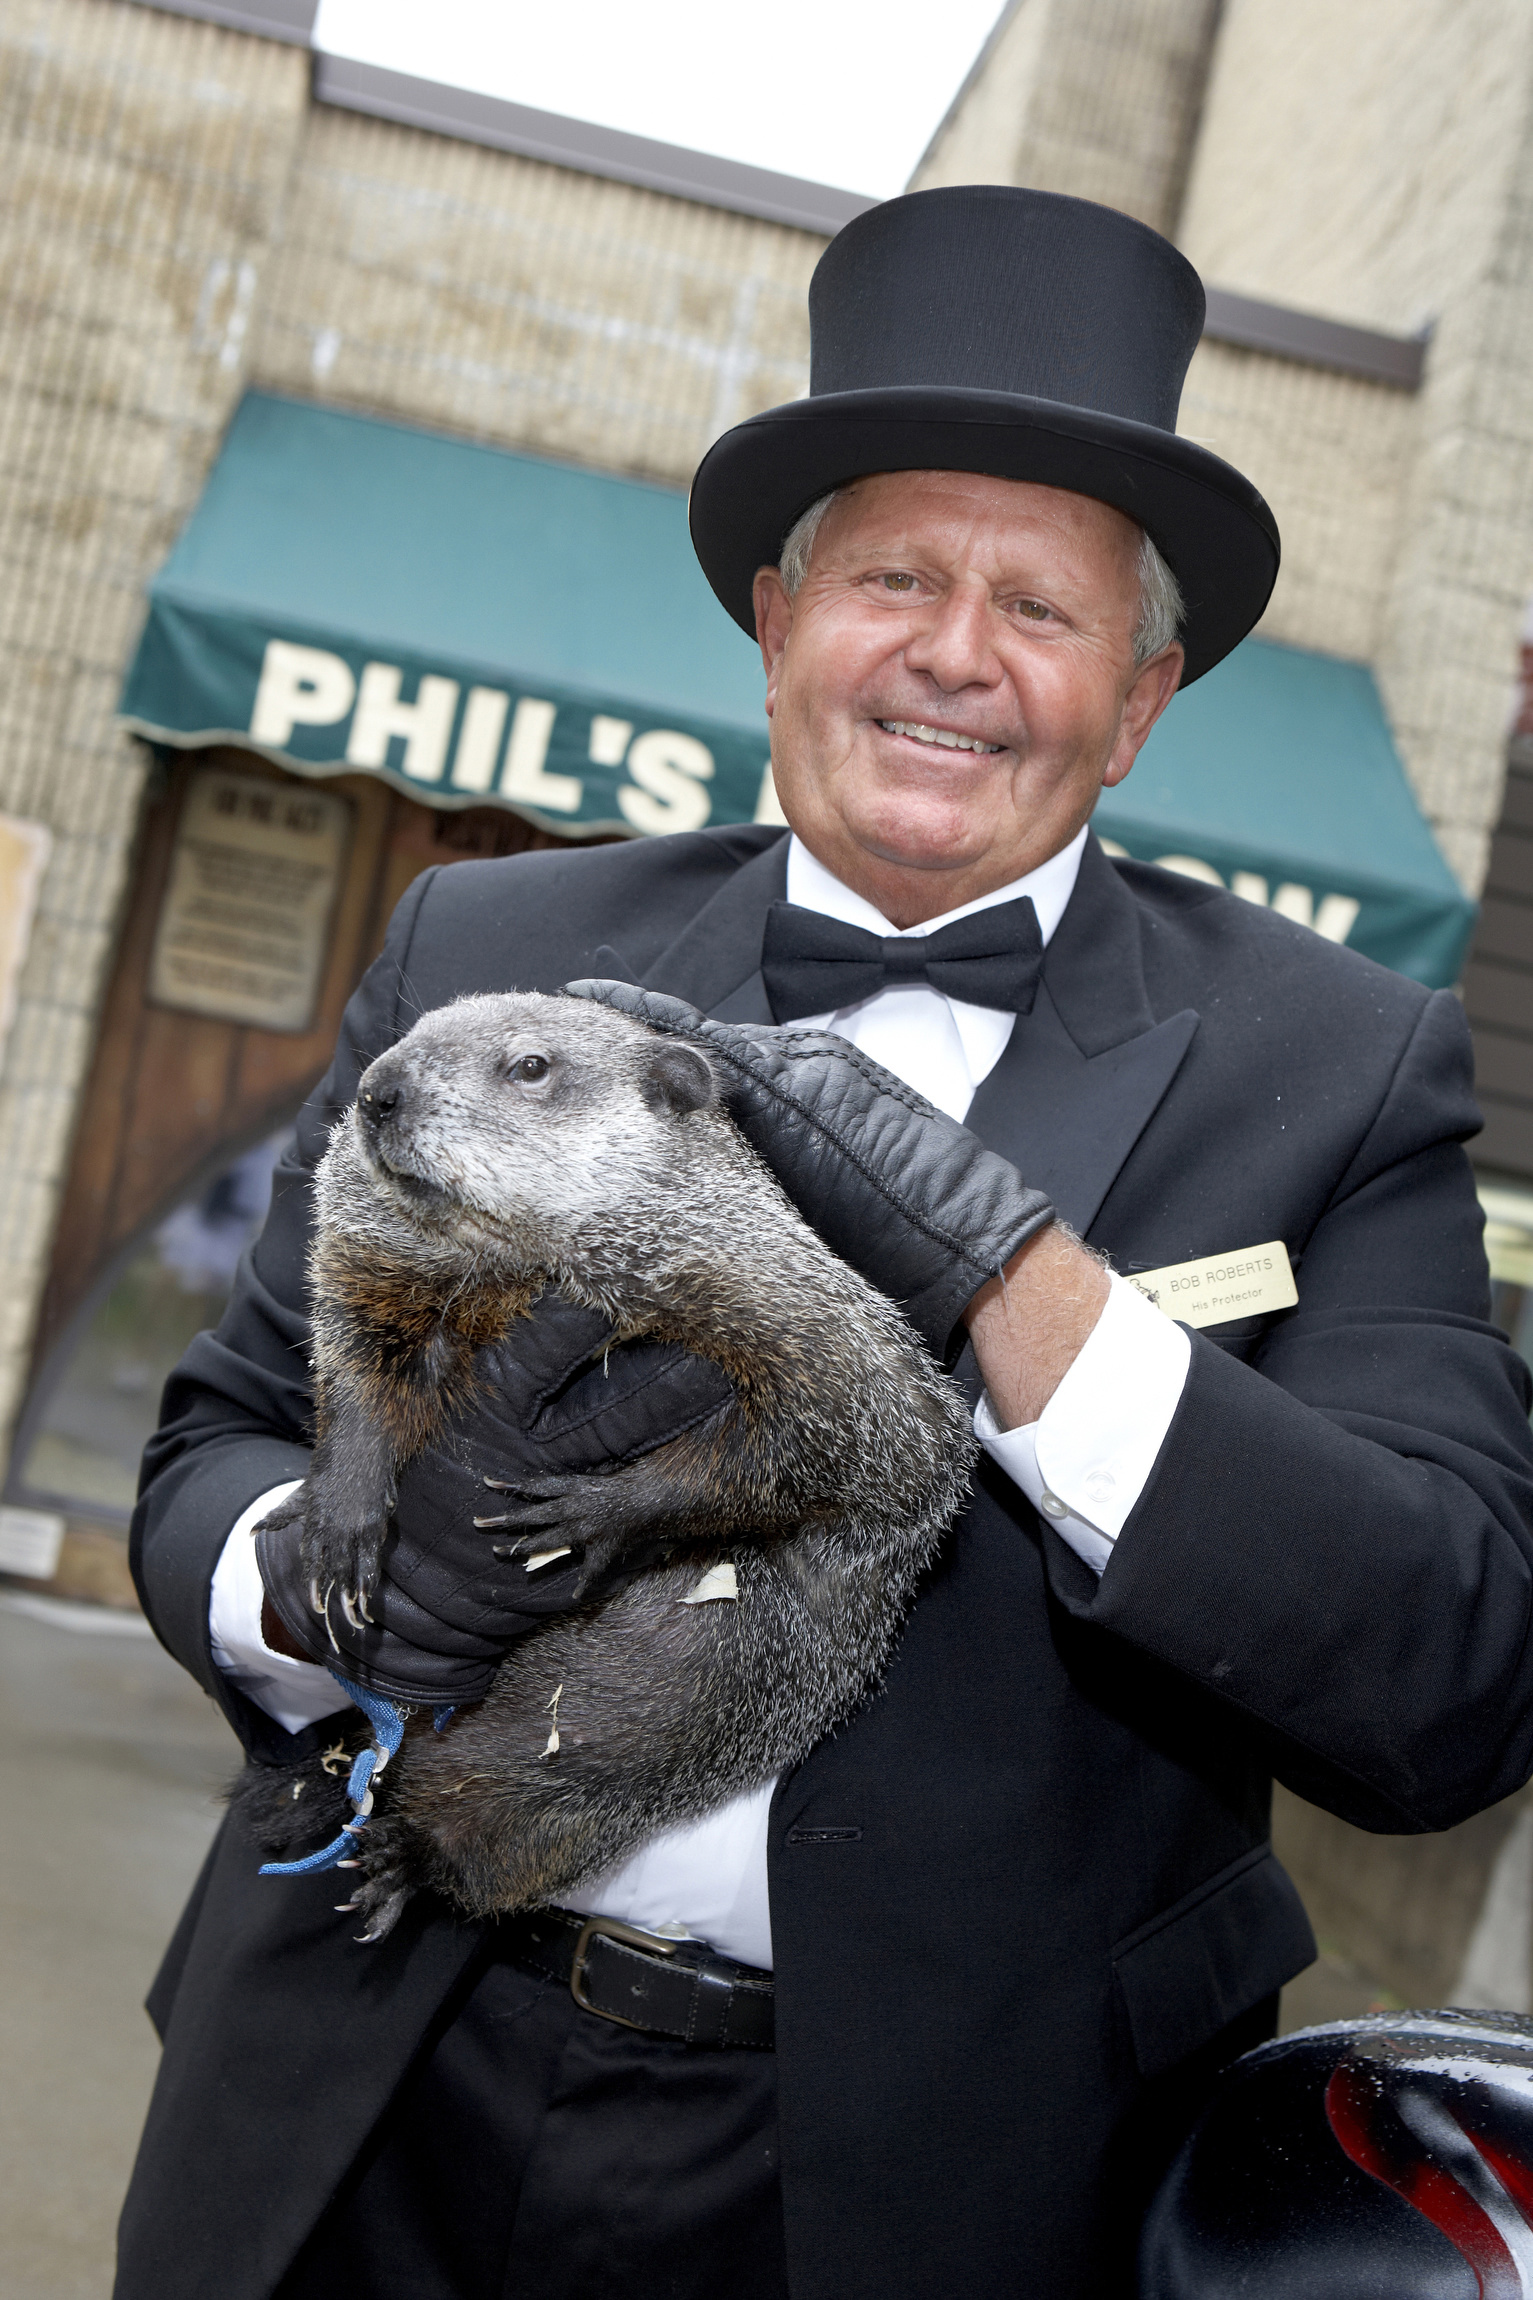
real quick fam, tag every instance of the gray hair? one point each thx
(1160, 595)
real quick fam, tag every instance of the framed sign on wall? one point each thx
(245, 924)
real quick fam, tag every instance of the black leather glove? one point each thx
(901, 1191)
(446, 1607)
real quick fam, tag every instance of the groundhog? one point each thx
(513, 1143)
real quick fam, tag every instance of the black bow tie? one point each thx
(814, 965)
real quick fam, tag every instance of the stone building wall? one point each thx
(1098, 98)
(524, 304)
(1356, 163)
(145, 162)
(1328, 451)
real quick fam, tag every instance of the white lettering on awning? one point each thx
(425, 724)
(609, 740)
(299, 687)
(484, 722)
(1334, 918)
(768, 804)
(669, 769)
(523, 777)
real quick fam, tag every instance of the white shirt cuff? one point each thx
(295, 1693)
(1087, 1459)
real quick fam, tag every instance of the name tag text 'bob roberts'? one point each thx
(1243, 1284)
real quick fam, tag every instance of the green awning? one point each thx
(1276, 774)
(481, 628)
(478, 628)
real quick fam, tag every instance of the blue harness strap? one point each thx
(327, 1858)
(387, 1720)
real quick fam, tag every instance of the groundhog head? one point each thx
(528, 1112)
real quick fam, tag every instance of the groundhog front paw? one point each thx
(626, 1501)
(341, 1553)
(298, 1557)
(596, 1519)
(533, 1505)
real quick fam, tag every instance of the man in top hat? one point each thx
(965, 1973)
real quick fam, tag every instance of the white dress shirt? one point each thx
(1083, 1463)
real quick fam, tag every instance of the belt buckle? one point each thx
(609, 1929)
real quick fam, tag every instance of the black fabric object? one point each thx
(557, 1395)
(1046, 1839)
(815, 965)
(536, 2149)
(893, 1185)
(1388, 2158)
(986, 328)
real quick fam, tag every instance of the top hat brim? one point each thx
(1209, 523)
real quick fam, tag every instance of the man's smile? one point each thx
(942, 736)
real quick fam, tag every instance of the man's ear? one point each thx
(1149, 693)
(774, 620)
(679, 1078)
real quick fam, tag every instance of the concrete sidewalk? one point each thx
(111, 1764)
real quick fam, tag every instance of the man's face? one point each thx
(942, 605)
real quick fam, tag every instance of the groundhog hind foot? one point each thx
(387, 1880)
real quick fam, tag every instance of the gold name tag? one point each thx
(1244, 1284)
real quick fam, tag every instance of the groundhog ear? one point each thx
(678, 1078)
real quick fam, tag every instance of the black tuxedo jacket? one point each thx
(1030, 1882)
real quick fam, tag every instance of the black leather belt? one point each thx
(643, 1980)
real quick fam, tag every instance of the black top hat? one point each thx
(983, 328)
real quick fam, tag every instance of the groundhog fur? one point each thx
(512, 1143)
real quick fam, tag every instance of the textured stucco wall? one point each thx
(527, 304)
(1355, 161)
(1373, 164)
(1098, 98)
(144, 163)
(1329, 452)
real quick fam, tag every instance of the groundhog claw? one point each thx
(537, 1504)
(386, 1883)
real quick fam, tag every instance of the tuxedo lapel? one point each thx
(715, 962)
(1067, 1120)
(1083, 1074)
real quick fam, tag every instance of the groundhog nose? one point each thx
(379, 1103)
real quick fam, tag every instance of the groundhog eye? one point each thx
(530, 1069)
